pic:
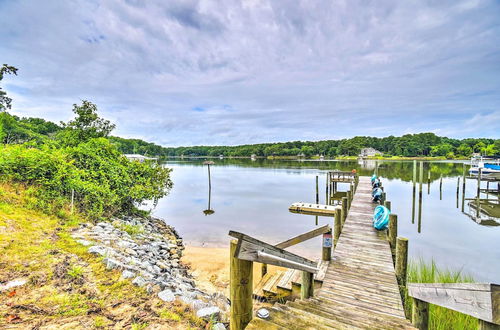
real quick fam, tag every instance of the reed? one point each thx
(421, 271)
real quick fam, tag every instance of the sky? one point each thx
(227, 72)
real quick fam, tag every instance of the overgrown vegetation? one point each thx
(440, 318)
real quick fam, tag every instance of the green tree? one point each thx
(87, 125)
(464, 150)
(5, 101)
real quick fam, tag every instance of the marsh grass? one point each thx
(420, 271)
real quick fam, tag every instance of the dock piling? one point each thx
(337, 226)
(393, 232)
(241, 283)
(344, 210)
(420, 314)
(307, 287)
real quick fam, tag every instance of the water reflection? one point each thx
(253, 197)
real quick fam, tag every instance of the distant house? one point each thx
(369, 152)
(137, 157)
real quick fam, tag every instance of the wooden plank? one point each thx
(478, 300)
(252, 249)
(311, 208)
(304, 237)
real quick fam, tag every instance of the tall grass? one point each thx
(440, 318)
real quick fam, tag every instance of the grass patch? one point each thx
(440, 318)
(132, 230)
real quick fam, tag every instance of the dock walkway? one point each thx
(359, 289)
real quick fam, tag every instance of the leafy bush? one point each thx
(104, 181)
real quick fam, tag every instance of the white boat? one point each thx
(489, 167)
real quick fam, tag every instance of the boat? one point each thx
(490, 167)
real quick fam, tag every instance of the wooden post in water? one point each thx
(393, 232)
(441, 187)
(420, 179)
(414, 191)
(458, 189)
(479, 183)
(307, 287)
(327, 198)
(241, 283)
(317, 191)
(463, 187)
(387, 204)
(344, 209)
(429, 181)
(337, 226)
(349, 199)
(401, 259)
(420, 314)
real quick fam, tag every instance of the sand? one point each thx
(210, 268)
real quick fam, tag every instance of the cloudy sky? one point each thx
(231, 72)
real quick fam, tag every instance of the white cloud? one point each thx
(263, 70)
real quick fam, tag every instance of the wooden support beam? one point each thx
(393, 231)
(387, 204)
(241, 282)
(326, 251)
(337, 227)
(304, 237)
(420, 314)
(252, 249)
(349, 199)
(344, 210)
(480, 300)
(307, 287)
(401, 260)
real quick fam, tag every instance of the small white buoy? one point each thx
(262, 313)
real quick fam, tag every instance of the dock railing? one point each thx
(479, 300)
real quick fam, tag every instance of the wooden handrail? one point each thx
(480, 300)
(252, 249)
(304, 237)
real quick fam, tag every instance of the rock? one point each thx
(218, 326)
(13, 284)
(139, 281)
(128, 274)
(208, 313)
(162, 265)
(166, 295)
(175, 263)
(198, 304)
(131, 252)
(96, 249)
(84, 242)
(113, 264)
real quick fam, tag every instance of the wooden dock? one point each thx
(359, 288)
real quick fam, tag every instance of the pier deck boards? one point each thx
(359, 290)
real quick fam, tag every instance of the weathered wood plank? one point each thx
(311, 208)
(478, 300)
(252, 249)
(304, 237)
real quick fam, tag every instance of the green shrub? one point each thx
(103, 180)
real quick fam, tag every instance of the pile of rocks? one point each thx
(148, 252)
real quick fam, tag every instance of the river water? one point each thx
(253, 197)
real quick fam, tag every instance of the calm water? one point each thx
(253, 197)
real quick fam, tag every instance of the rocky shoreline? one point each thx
(148, 251)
